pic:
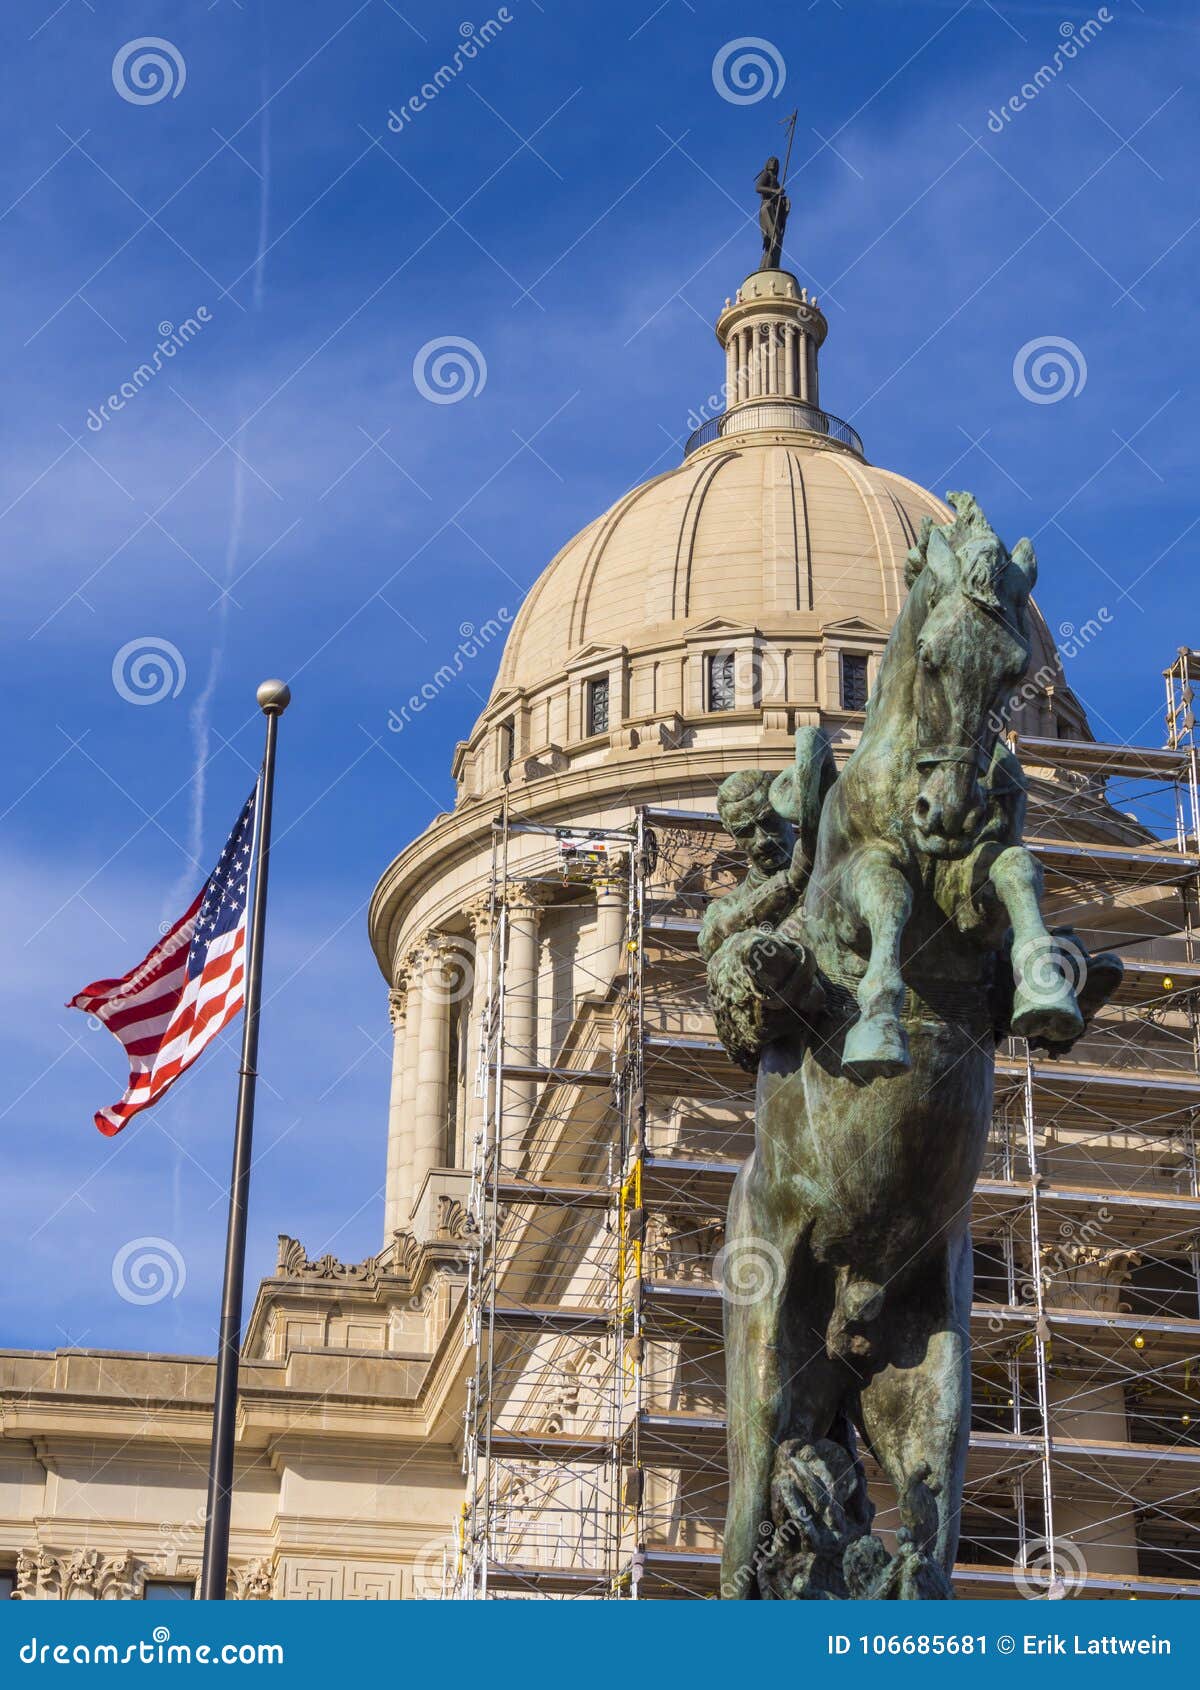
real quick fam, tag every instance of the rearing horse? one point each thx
(873, 1110)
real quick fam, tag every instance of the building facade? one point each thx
(521, 1393)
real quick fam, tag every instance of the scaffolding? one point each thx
(613, 1124)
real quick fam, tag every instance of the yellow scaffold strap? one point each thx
(630, 1198)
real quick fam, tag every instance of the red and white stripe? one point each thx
(163, 1019)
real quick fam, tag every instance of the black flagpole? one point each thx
(273, 698)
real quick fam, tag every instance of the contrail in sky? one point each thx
(200, 716)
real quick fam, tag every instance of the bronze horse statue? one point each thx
(887, 934)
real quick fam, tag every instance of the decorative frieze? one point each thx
(294, 1263)
(89, 1575)
(684, 1248)
(1079, 1275)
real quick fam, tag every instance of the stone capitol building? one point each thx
(520, 1394)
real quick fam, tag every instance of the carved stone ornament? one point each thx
(89, 1575)
(1079, 1275)
(294, 1263)
(253, 1582)
(455, 1220)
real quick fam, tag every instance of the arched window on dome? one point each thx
(855, 683)
(508, 745)
(720, 691)
(597, 705)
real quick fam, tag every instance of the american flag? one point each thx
(189, 987)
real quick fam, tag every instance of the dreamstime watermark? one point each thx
(1058, 1258)
(472, 641)
(748, 70)
(449, 975)
(758, 672)
(171, 339)
(1048, 962)
(1072, 640)
(448, 369)
(1050, 1568)
(1073, 39)
(158, 1650)
(747, 1270)
(148, 70)
(148, 1270)
(745, 1577)
(1049, 368)
(473, 39)
(432, 1569)
(713, 406)
(180, 1536)
(148, 669)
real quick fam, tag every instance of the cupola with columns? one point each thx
(771, 334)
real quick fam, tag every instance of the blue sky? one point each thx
(282, 498)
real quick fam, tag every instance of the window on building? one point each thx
(169, 1590)
(508, 745)
(597, 705)
(8, 1583)
(854, 681)
(721, 687)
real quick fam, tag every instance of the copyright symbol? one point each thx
(1006, 1645)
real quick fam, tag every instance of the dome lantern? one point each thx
(771, 334)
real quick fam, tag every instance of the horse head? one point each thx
(970, 597)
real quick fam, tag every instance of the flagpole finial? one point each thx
(274, 697)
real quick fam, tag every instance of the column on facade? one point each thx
(601, 965)
(440, 990)
(789, 360)
(731, 370)
(480, 916)
(1103, 1526)
(520, 1012)
(396, 1200)
(406, 1025)
(802, 366)
(772, 351)
(814, 390)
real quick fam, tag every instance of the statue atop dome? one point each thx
(774, 206)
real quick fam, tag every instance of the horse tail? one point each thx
(799, 794)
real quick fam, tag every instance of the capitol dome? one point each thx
(731, 600)
(686, 633)
(776, 532)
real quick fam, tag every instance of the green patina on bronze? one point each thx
(887, 933)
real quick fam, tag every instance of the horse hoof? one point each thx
(875, 1050)
(1055, 1020)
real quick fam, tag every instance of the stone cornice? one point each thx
(637, 778)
